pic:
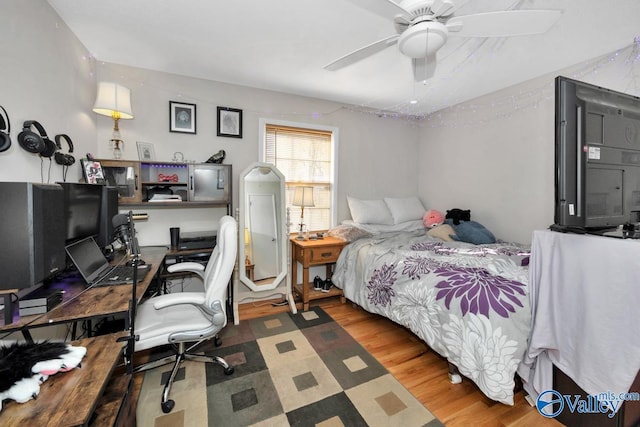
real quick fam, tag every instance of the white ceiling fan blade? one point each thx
(362, 53)
(503, 24)
(424, 68)
(384, 8)
(442, 7)
(400, 20)
(399, 9)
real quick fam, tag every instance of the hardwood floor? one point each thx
(422, 371)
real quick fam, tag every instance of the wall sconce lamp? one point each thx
(303, 197)
(114, 101)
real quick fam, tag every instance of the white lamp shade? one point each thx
(113, 100)
(303, 196)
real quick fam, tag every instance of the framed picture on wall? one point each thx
(146, 152)
(182, 117)
(229, 122)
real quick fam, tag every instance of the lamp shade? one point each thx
(303, 196)
(113, 100)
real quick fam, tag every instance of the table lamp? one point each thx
(114, 100)
(303, 197)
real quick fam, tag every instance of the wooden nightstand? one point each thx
(314, 252)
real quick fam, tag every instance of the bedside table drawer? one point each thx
(324, 255)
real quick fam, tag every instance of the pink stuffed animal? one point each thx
(432, 218)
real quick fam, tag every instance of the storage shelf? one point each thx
(164, 183)
(199, 184)
(175, 205)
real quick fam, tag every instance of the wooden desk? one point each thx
(69, 398)
(79, 303)
(73, 398)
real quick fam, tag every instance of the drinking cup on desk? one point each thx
(175, 237)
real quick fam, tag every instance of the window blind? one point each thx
(304, 158)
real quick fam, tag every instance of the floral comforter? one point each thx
(468, 302)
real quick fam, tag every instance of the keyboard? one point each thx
(123, 275)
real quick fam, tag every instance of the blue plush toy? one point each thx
(466, 230)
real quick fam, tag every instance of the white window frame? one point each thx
(263, 122)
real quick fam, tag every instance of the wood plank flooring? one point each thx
(422, 371)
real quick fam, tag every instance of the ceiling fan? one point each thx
(423, 26)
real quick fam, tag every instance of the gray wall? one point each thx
(46, 75)
(58, 89)
(495, 154)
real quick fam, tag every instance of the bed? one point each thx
(469, 303)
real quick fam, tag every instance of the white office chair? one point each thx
(187, 317)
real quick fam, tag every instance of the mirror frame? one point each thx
(280, 224)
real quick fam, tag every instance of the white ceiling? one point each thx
(283, 45)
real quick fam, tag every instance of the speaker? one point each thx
(108, 209)
(5, 130)
(33, 142)
(62, 158)
(174, 235)
(33, 233)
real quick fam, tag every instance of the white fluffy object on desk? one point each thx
(24, 366)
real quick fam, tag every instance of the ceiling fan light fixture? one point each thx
(423, 39)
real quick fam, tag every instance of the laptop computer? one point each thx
(95, 268)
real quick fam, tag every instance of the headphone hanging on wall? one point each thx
(5, 130)
(38, 143)
(60, 157)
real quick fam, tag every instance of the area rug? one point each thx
(290, 370)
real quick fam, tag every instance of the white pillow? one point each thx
(405, 209)
(385, 228)
(369, 211)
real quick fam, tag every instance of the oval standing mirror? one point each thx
(262, 252)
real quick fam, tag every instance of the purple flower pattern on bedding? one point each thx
(413, 267)
(380, 285)
(426, 246)
(479, 291)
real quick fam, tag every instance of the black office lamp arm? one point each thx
(132, 338)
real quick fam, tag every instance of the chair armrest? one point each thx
(192, 298)
(192, 267)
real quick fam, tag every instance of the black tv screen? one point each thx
(597, 156)
(82, 205)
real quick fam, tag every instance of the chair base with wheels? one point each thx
(182, 354)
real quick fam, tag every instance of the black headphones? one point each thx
(5, 130)
(62, 158)
(36, 142)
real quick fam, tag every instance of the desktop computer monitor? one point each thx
(108, 209)
(82, 206)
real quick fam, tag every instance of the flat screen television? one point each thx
(82, 207)
(597, 157)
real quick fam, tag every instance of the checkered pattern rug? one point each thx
(290, 370)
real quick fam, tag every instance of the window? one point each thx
(305, 154)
